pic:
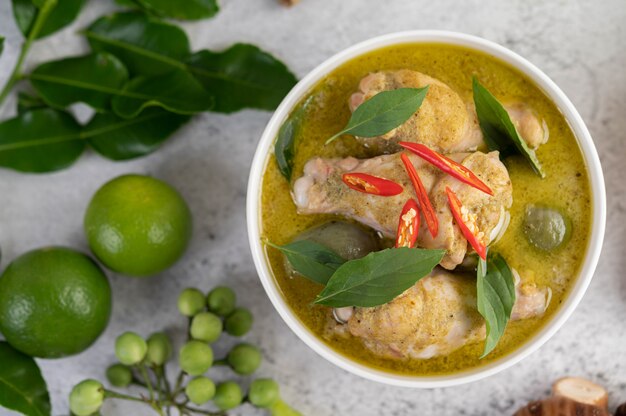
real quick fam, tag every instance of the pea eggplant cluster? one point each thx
(142, 364)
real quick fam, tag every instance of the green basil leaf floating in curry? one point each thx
(92, 79)
(495, 290)
(38, 141)
(284, 148)
(312, 260)
(176, 91)
(61, 15)
(22, 387)
(242, 76)
(379, 277)
(117, 138)
(180, 9)
(147, 46)
(498, 129)
(28, 102)
(383, 112)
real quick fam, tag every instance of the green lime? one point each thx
(54, 302)
(138, 225)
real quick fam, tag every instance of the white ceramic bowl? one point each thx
(540, 79)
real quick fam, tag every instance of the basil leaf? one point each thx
(1, 44)
(27, 102)
(379, 277)
(40, 141)
(285, 146)
(64, 13)
(243, 76)
(312, 260)
(495, 289)
(91, 79)
(22, 387)
(383, 112)
(177, 91)
(145, 45)
(181, 9)
(120, 139)
(498, 129)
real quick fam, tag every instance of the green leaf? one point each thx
(120, 139)
(498, 129)
(181, 9)
(128, 3)
(312, 260)
(379, 277)
(27, 102)
(64, 13)
(495, 289)
(22, 387)
(40, 141)
(145, 45)
(285, 146)
(177, 91)
(1, 44)
(242, 76)
(383, 112)
(91, 79)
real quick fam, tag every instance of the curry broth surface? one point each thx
(566, 186)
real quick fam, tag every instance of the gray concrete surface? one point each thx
(580, 44)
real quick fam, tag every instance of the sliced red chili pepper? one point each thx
(447, 165)
(370, 184)
(408, 225)
(467, 223)
(422, 196)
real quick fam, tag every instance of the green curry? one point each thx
(566, 187)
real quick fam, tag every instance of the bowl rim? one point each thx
(583, 138)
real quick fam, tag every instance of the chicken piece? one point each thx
(443, 122)
(487, 209)
(321, 191)
(435, 317)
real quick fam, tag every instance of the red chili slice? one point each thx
(408, 225)
(468, 226)
(422, 196)
(370, 184)
(447, 165)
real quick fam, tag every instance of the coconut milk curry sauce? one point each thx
(565, 187)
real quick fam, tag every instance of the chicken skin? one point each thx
(435, 317)
(321, 191)
(444, 122)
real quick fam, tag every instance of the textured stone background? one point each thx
(580, 44)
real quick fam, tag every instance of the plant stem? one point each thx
(42, 15)
(204, 412)
(115, 395)
(157, 405)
